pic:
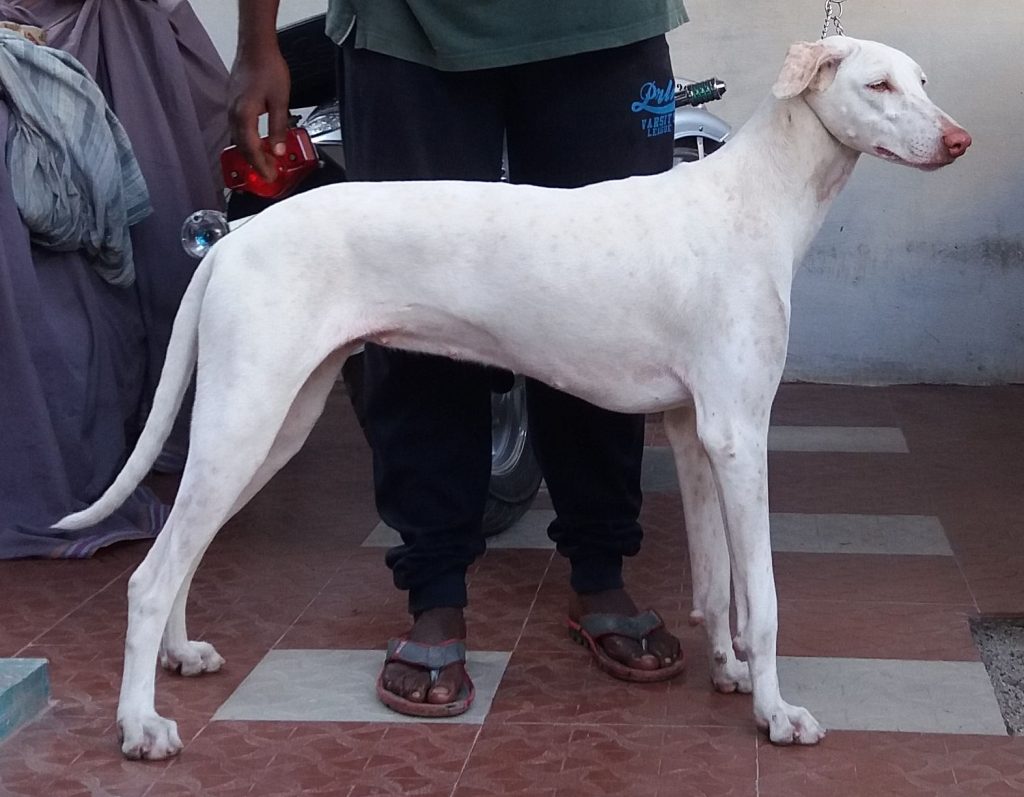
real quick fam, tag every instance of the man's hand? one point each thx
(260, 84)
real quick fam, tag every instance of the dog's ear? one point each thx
(808, 65)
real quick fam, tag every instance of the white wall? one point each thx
(221, 19)
(915, 277)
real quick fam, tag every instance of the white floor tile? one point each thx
(838, 439)
(659, 467)
(340, 686)
(382, 536)
(891, 695)
(868, 534)
(799, 533)
(530, 531)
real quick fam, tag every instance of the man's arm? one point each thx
(259, 84)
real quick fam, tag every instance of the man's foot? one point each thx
(662, 648)
(432, 627)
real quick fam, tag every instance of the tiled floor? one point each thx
(897, 516)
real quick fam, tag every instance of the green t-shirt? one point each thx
(479, 34)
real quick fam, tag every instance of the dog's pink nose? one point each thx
(957, 140)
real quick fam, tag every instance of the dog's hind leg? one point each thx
(234, 429)
(178, 653)
(202, 506)
(709, 551)
(192, 657)
(733, 426)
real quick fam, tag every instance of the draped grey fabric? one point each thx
(79, 358)
(73, 172)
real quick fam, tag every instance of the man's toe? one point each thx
(407, 683)
(664, 647)
(629, 652)
(448, 685)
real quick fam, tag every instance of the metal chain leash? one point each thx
(834, 17)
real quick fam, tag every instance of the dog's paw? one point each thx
(193, 658)
(149, 737)
(791, 725)
(730, 675)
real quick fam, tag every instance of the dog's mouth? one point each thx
(889, 155)
(892, 157)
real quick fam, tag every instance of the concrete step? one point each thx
(24, 692)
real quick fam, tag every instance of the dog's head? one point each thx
(872, 99)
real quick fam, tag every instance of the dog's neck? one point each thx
(790, 154)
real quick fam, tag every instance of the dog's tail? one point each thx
(182, 350)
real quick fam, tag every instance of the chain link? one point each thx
(834, 17)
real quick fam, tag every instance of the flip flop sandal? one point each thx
(433, 658)
(592, 628)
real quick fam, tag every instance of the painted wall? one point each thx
(221, 19)
(915, 277)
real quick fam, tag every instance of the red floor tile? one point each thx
(565, 687)
(610, 759)
(871, 578)
(833, 405)
(849, 764)
(289, 571)
(39, 594)
(323, 758)
(870, 484)
(850, 629)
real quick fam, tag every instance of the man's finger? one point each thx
(245, 134)
(251, 146)
(277, 127)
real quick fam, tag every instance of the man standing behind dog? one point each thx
(581, 92)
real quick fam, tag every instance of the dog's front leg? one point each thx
(708, 548)
(735, 436)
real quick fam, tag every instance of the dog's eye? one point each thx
(880, 85)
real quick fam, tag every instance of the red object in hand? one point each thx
(298, 160)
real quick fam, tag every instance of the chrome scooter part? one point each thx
(202, 230)
(697, 131)
(697, 122)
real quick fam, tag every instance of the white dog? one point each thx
(663, 293)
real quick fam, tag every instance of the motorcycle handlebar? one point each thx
(700, 92)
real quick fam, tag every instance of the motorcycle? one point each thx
(316, 157)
